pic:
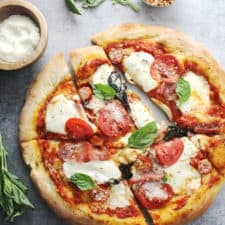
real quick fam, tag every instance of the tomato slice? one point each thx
(113, 119)
(78, 129)
(154, 195)
(169, 152)
(78, 152)
(166, 68)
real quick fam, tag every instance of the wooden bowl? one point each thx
(14, 7)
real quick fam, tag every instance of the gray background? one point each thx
(202, 19)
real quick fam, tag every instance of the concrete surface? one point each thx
(202, 19)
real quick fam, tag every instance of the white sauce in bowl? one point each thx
(19, 37)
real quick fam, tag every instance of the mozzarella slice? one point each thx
(137, 66)
(100, 171)
(140, 113)
(95, 104)
(58, 111)
(182, 174)
(102, 74)
(199, 101)
(120, 196)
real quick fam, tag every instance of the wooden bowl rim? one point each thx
(40, 21)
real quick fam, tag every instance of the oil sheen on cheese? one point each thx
(137, 66)
(19, 37)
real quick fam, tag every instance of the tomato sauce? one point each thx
(88, 69)
(181, 202)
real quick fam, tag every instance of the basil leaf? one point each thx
(143, 137)
(127, 2)
(82, 181)
(91, 3)
(72, 6)
(183, 90)
(175, 131)
(13, 194)
(104, 91)
(165, 178)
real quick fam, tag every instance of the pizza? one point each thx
(96, 151)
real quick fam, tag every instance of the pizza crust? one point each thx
(174, 41)
(80, 56)
(79, 215)
(48, 79)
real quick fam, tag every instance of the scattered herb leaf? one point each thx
(175, 131)
(72, 7)
(104, 91)
(91, 3)
(127, 2)
(83, 181)
(143, 137)
(183, 90)
(13, 194)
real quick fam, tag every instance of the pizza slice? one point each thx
(81, 183)
(176, 72)
(175, 180)
(52, 108)
(116, 111)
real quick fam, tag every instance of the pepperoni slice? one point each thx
(79, 152)
(146, 177)
(113, 119)
(78, 129)
(154, 195)
(85, 93)
(166, 68)
(169, 152)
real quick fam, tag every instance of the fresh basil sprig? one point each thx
(83, 181)
(104, 91)
(127, 2)
(72, 6)
(91, 3)
(13, 194)
(143, 137)
(183, 90)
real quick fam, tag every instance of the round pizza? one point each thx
(96, 152)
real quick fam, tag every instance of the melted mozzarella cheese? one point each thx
(200, 141)
(95, 104)
(200, 95)
(120, 196)
(100, 171)
(58, 111)
(182, 174)
(140, 113)
(102, 74)
(137, 66)
(154, 191)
